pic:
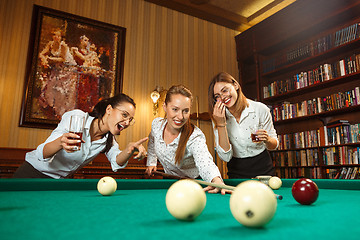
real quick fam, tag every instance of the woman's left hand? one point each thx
(211, 189)
(262, 135)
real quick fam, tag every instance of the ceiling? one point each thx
(234, 14)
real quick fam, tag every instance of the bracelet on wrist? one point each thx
(220, 125)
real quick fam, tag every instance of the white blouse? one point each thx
(197, 159)
(241, 145)
(63, 164)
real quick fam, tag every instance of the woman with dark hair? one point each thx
(233, 115)
(180, 146)
(57, 157)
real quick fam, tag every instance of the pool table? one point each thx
(73, 209)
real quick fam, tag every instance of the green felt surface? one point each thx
(73, 209)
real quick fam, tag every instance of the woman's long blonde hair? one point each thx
(188, 127)
(240, 103)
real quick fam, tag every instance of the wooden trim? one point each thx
(12, 158)
(202, 116)
(207, 12)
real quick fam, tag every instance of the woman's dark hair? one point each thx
(99, 111)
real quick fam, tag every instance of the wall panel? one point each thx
(163, 47)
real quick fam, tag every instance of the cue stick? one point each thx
(223, 186)
(197, 111)
(168, 175)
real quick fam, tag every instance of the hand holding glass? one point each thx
(253, 129)
(77, 126)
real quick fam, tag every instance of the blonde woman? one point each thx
(179, 145)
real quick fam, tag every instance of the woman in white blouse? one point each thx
(233, 115)
(179, 145)
(57, 157)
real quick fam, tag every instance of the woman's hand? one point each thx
(219, 113)
(270, 142)
(262, 135)
(150, 169)
(137, 146)
(211, 189)
(69, 140)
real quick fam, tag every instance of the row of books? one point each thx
(312, 48)
(324, 136)
(336, 135)
(306, 157)
(335, 101)
(298, 140)
(344, 173)
(341, 155)
(320, 74)
(346, 34)
(299, 172)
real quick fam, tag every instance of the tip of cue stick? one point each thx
(279, 196)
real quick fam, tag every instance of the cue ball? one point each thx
(305, 191)
(107, 186)
(253, 203)
(275, 183)
(185, 200)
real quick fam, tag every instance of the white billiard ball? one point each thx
(275, 183)
(107, 186)
(185, 200)
(253, 203)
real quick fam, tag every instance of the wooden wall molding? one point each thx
(12, 158)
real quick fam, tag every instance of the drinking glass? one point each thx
(77, 126)
(253, 129)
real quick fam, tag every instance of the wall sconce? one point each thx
(155, 96)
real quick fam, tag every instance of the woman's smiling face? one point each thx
(226, 93)
(177, 111)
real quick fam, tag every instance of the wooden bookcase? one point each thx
(282, 63)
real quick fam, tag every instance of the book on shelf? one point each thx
(343, 173)
(322, 136)
(304, 158)
(334, 174)
(341, 155)
(312, 48)
(348, 173)
(336, 123)
(354, 173)
(322, 73)
(288, 110)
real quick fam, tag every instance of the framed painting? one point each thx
(73, 62)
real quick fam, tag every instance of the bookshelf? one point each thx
(306, 68)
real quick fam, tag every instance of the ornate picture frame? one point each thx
(73, 62)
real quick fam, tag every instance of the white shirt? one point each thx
(62, 163)
(197, 159)
(241, 145)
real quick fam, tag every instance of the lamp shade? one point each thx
(155, 96)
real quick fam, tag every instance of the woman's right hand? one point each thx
(149, 170)
(219, 113)
(68, 141)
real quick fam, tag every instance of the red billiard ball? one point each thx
(305, 191)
